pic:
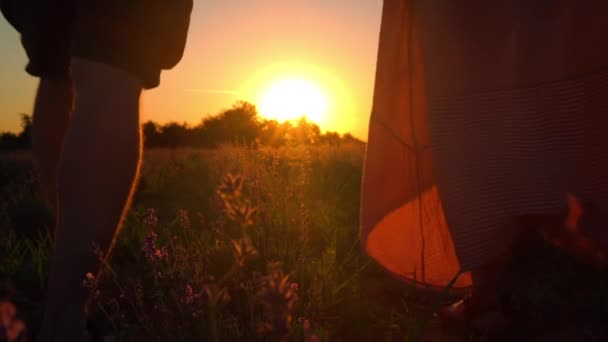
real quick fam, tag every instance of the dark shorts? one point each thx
(142, 37)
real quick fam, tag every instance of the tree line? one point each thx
(240, 124)
(21, 140)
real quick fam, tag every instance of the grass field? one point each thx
(237, 244)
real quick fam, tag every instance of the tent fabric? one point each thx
(483, 111)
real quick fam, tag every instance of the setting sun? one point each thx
(291, 98)
(287, 90)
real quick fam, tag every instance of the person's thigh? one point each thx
(142, 37)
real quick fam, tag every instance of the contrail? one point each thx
(213, 91)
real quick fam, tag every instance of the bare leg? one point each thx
(52, 110)
(485, 287)
(482, 310)
(486, 308)
(99, 165)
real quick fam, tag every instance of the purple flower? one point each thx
(189, 295)
(150, 218)
(184, 219)
(149, 247)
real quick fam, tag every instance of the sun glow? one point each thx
(290, 99)
(288, 90)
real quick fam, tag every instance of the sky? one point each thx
(238, 50)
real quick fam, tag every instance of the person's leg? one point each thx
(99, 165)
(52, 111)
(481, 308)
(44, 28)
(484, 295)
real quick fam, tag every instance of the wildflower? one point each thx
(216, 295)
(89, 281)
(188, 296)
(265, 328)
(201, 219)
(231, 186)
(150, 218)
(276, 285)
(161, 253)
(244, 250)
(309, 335)
(279, 295)
(276, 160)
(184, 219)
(245, 213)
(149, 247)
(240, 213)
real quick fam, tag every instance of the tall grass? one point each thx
(229, 245)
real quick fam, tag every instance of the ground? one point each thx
(197, 257)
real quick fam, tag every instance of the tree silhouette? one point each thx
(22, 140)
(330, 138)
(152, 135)
(174, 135)
(25, 137)
(275, 134)
(305, 132)
(9, 141)
(240, 124)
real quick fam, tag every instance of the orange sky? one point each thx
(238, 48)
